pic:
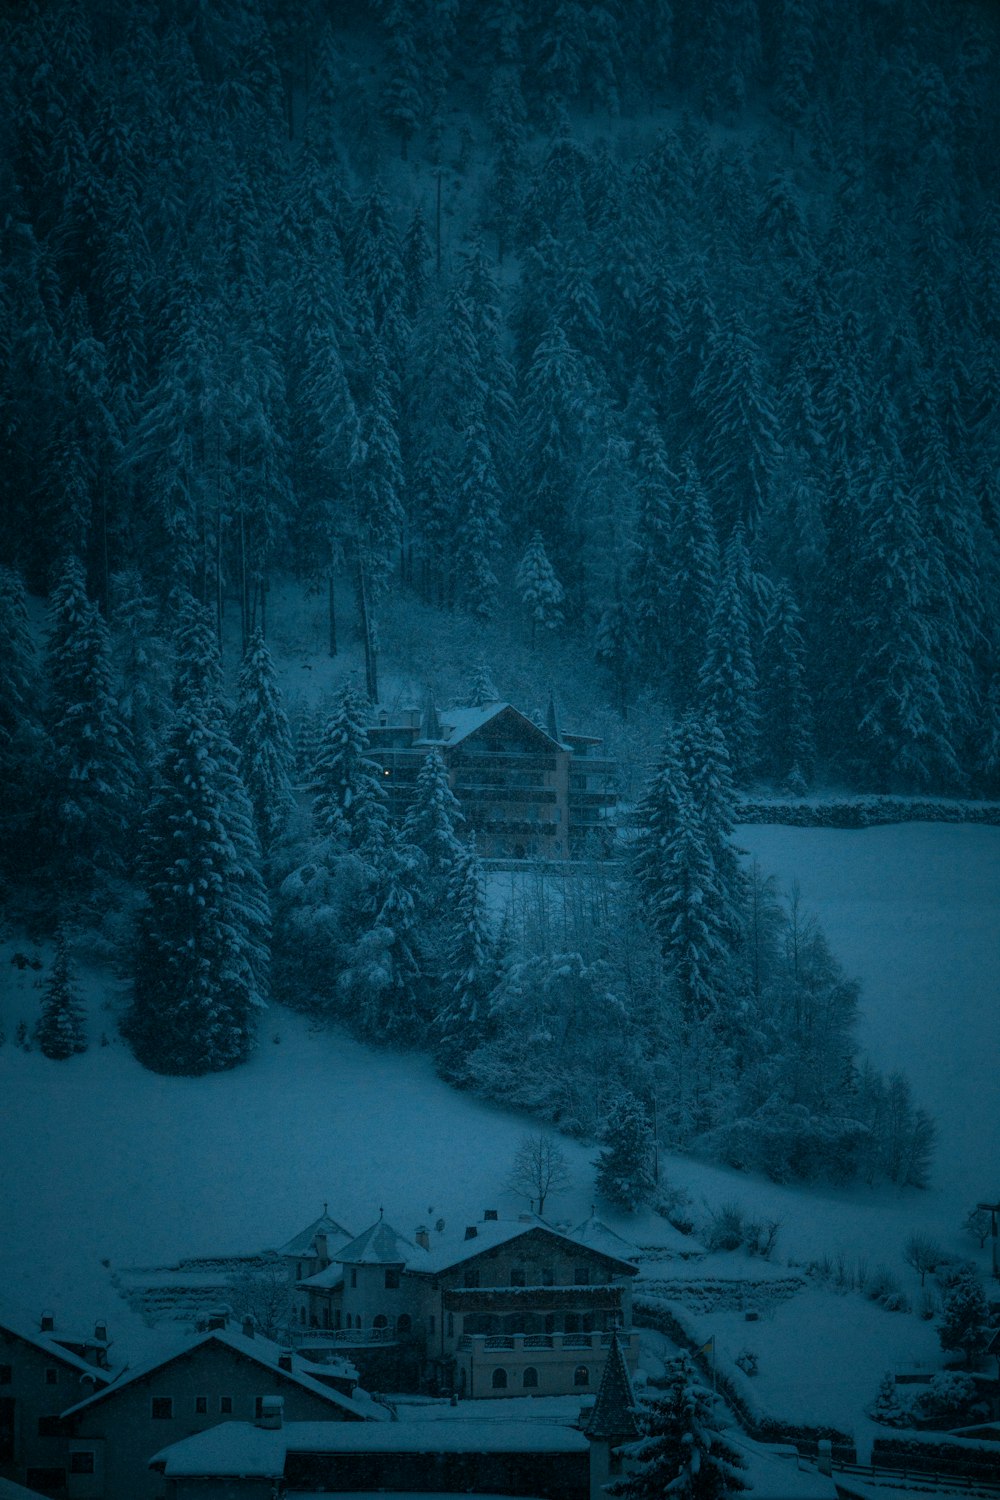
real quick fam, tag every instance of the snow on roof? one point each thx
(261, 1350)
(453, 1250)
(241, 1448)
(303, 1242)
(381, 1245)
(597, 1236)
(25, 1328)
(326, 1279)
(776, 1475)
(458, 723)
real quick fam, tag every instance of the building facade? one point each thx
(525, 791)
(511, 1307)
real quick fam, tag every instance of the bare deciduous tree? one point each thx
(923, 1255)
(265, 1295)
(539, 1169)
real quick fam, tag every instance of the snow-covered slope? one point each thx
(105, 1162)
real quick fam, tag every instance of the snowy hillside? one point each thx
(107, 1162)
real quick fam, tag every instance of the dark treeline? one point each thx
(736, 366)
(677, 321)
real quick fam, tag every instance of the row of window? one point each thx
(162, 1407)
(519, 1277)
(529, 1378)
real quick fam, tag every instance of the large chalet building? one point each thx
(507, 1307)
(525, 791)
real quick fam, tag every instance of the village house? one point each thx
(219, 1376)
(44, 1369)
(525, 791)
(509, 1306)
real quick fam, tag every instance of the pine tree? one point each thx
(61, 1030)
(539, 590)
(382, 978)
(21, 736)
(348, 788)
(477, 534)
(433, 817)
(787, 746)
(650, 573)
(201, 950)
(886, 1407)
(727, 681)
(682, 1450)
(965, 1324)
(617, 648)
(482, 689)
(740, 443)
(264, 739)
(92, 777)
(624, 1167)
(471, 969)
(693, 583)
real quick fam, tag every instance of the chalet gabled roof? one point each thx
(492, 1233)
(23, 1328)
(613, 1416)
(302, 1243)
(261, 1351)
(597, 1236)
(380, 1245)
(458, 724)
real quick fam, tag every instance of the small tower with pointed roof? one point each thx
(612, 1420)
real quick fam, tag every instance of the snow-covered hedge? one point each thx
(866, 812)
(954, 1456)
(654, 1312)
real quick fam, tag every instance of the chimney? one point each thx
(101, 1331)
(248, 1327)
(285, 1360)
(271, 1413)
(383, 719)
(217, 1318)
(48, 1322)
(422, 1236)
(471, 1232)
(489, 1215)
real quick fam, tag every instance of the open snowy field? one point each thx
(104, 1164)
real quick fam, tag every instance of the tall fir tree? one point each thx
(471, 967)
(625, 1166)
(433, 817)
(202, 942)
(264, 739)
(61, 1030)
(682, 1450)
(727, 680)
(539, 590)
(349, 796)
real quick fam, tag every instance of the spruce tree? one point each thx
(682, 1450)
(727, 681)
(21, 736)
(650, 581)
(471, 970)
(349, 796)
(477, 534)
(92, 776)
(538, 588)
(625, 1165)
(965, 1324)
(788, 752)
(693, 583)
(433, 818)
(61, 1030)
(482, 689)
(201, 950)
(264, 739)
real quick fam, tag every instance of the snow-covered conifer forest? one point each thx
(640, 354)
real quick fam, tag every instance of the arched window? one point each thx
(404, 1323)
(530, 1378)
(581, 1375)
(380, 1321)
(499, 1380)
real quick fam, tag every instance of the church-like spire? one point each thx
(612, 1419)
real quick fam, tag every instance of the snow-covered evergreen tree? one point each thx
(433, 817)
(92, 776)
(61, 1030)
(727, 680)
(539, 590)
(482, 689)
(682, 1450)
(201, 950)
(788, 750)
(965, 1325)
(471, 966)
(264, 738)
(625, 1165)
(349, 796)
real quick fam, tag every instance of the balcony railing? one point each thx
(526, 1343)
(349, 1337)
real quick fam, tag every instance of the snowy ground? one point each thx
(107, 1165)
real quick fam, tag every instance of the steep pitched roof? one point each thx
(380, 1245)
(613, 1414)
(23, 1328)
(598, 1236)
(261, 1351)
(457, 724)
(303, 1242)
(492, 1233)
